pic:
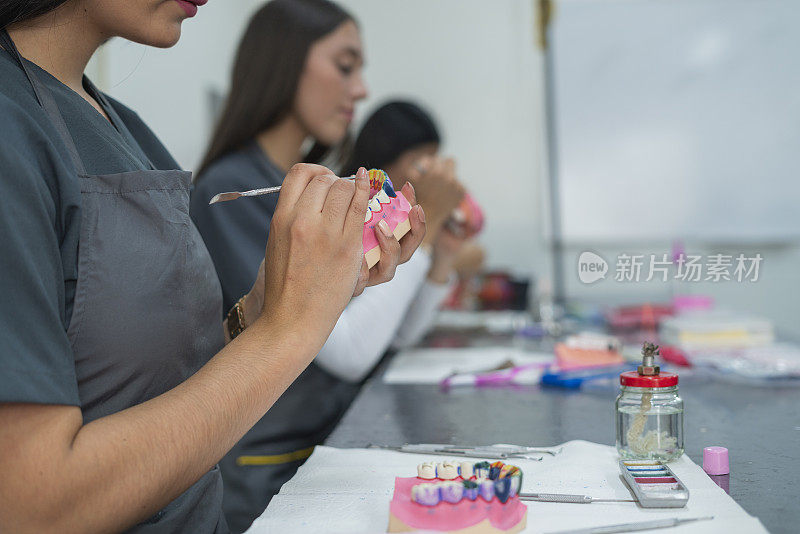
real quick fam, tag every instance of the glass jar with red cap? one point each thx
(649, 412)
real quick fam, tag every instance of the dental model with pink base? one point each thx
(385, 204)
(459, 498)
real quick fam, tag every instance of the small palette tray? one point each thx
(654, 484)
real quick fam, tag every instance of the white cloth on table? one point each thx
(349, 490)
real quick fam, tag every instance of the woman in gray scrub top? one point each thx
(118, 391)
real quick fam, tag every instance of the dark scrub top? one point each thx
(236, 232)
(236, 236)
(40, 222)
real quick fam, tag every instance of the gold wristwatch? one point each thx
(236, 322)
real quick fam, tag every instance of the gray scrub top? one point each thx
(40, 219)
(40, 229)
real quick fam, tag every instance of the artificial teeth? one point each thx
(486, 489)
(452, 491)
(494, 470)
(516, 483)
(426, 470)
(426, 494)
(481, 470)
(502, 488)
(470, 489)
(498, 479)
(447, 470)
(506, 470)
(465, 470)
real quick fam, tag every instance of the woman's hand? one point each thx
(393, 253)
(314, 250)
(444, 255)
(438, 191)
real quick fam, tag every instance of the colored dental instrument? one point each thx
(522, 374)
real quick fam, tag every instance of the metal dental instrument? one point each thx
(498, 452)
(634, 527)
(448, 452)
(510, 450)
(564, 498)
(233, 195)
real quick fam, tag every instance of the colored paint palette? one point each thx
(654, 484)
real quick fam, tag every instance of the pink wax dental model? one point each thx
(484, 498)
(387, 205)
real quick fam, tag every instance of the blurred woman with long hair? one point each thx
(296, 82)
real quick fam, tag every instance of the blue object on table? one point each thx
(576, 378)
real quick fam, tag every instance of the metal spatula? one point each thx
(233, 195)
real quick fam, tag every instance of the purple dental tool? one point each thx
(528, 373)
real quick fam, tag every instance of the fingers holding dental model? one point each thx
(393, 227)
(418, 227)
(313, 255)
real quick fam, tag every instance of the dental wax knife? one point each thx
(498, 452)
(564, 498)
(233, 195)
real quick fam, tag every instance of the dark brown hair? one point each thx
(267, 69)
(389, 131)
(12, 11)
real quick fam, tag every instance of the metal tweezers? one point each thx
(495, 452)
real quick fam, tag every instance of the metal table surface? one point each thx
(759, 425)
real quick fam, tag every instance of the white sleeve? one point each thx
(420, 315)
(369, 323)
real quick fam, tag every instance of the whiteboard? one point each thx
(677, 119)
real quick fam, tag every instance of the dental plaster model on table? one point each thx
(467, 498)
